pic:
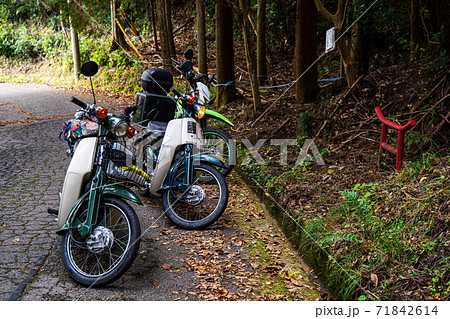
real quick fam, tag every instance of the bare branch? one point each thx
(326, 14)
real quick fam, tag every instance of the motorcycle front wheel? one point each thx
(107, 253)
(202, 204)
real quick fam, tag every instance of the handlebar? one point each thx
(78, 102)
(178, 94)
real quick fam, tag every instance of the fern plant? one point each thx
(341, 236)
(357, 204)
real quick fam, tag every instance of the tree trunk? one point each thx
(249, 54)
(415, 24)
(201, 21)
(118, 37)
(153, 19)
(75, 52)
(443, 20)
(75, 48)
(165, 47)
(226, 91)
(344, 47)
(168, 18)
(306, 88)
(261, 51)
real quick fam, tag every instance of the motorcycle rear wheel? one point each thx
(110, 261)
(202, 204)
(218, 144)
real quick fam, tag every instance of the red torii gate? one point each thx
(400, 149)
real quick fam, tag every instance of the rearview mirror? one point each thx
(89, 68)
(189, 54)
(186, 66)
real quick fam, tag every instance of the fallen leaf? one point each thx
(374, 279)
(223, 292)
(167, 266)
(296, 282)
(254, 264)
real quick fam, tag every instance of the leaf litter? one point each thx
(242, 257)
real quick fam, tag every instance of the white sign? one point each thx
(330, 42)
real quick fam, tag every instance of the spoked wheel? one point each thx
(103, 256)
(218, 144)
(202, 204)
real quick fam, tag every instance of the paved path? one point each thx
(32, 165)
(172, 264)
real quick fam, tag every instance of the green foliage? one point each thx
(341, 236)
(415, 140)
(29, 42)
(357, 200)
(391, 230)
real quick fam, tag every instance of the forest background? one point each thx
(368, 231)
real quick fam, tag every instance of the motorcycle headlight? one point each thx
(121, 128)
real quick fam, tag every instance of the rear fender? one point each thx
(202, 158)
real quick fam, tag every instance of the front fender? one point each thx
(113, 190)
(123, 192)
(215, 115)
(202, 158)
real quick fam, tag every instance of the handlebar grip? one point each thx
(198, 77)
(78, 102)
(176, 92)
(130, 109)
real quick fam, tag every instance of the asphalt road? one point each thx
(172, 264)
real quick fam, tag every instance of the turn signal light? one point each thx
(191, 100)
(131, 131)
(201, 112)
(102, 113)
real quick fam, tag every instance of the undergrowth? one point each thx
(44, 56)
(387, 239)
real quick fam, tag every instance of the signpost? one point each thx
(330, 40)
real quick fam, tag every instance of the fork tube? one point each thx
(94, 202)
(100, 179)
(188, 165)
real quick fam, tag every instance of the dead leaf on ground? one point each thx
(374, 279)
(223, 293)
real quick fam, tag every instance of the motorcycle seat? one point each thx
(157, 127)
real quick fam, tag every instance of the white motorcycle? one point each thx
(101, 231)
(194, 193)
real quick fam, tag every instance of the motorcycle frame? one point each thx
(171, 144)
